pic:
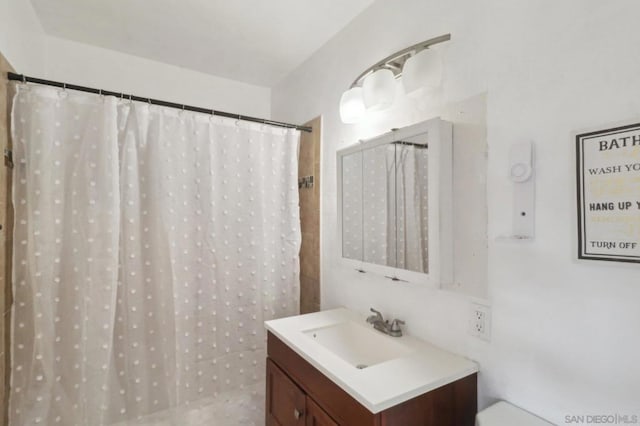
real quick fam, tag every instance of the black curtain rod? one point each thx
(25, 79)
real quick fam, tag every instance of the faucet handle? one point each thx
(373, 318)
(395, 325)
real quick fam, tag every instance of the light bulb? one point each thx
(422, 71)
(379, 89)
(352, 106)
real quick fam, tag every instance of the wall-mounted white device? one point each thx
(522, 174)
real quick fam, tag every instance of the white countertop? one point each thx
(425, 367)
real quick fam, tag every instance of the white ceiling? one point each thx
(255, 41)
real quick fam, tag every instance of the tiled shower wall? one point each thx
(6, 242)
(309, 187)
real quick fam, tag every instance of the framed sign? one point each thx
(608, 168)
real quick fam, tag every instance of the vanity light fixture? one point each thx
(374, 89)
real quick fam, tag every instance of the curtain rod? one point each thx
(25, 79)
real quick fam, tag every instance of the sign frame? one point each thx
(581, 139)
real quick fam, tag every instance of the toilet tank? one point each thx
(505, 414)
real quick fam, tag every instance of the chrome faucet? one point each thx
(391, 328)
(377, 320)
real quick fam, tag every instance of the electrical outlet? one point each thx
(480, 321)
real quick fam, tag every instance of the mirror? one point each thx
(391, 191)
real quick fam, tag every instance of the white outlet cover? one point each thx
(480, 321)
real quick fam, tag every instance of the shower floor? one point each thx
(243, 407)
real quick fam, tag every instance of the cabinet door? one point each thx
(316, 416)
(285, 400)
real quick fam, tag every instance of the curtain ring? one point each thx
(64, 86)
(100, 92)
(24, 79)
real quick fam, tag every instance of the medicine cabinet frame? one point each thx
(439, 135)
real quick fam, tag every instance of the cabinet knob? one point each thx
(297, 414)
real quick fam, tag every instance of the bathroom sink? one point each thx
(358, 345)
(377, 370)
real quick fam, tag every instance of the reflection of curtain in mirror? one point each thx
(390, 190)
(352, 219)
(377, 187)
(411, 209)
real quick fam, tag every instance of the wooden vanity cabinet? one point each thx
(288, 405)
(286, 402)
(299, 394)
(316, 416)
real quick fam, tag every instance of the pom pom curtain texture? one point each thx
(150, 244)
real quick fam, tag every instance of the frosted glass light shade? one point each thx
(422, 71)
(352, 106)
(378, 90)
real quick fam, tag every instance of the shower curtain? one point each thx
(150, 244)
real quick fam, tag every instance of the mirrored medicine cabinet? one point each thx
(394, 203)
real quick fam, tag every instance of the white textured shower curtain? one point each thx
(150, 245)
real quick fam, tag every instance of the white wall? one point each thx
(87, 65)
(565, 334)
(31, 52)
(21, 36)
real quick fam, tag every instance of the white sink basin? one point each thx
(360, 346)
(337, 341)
